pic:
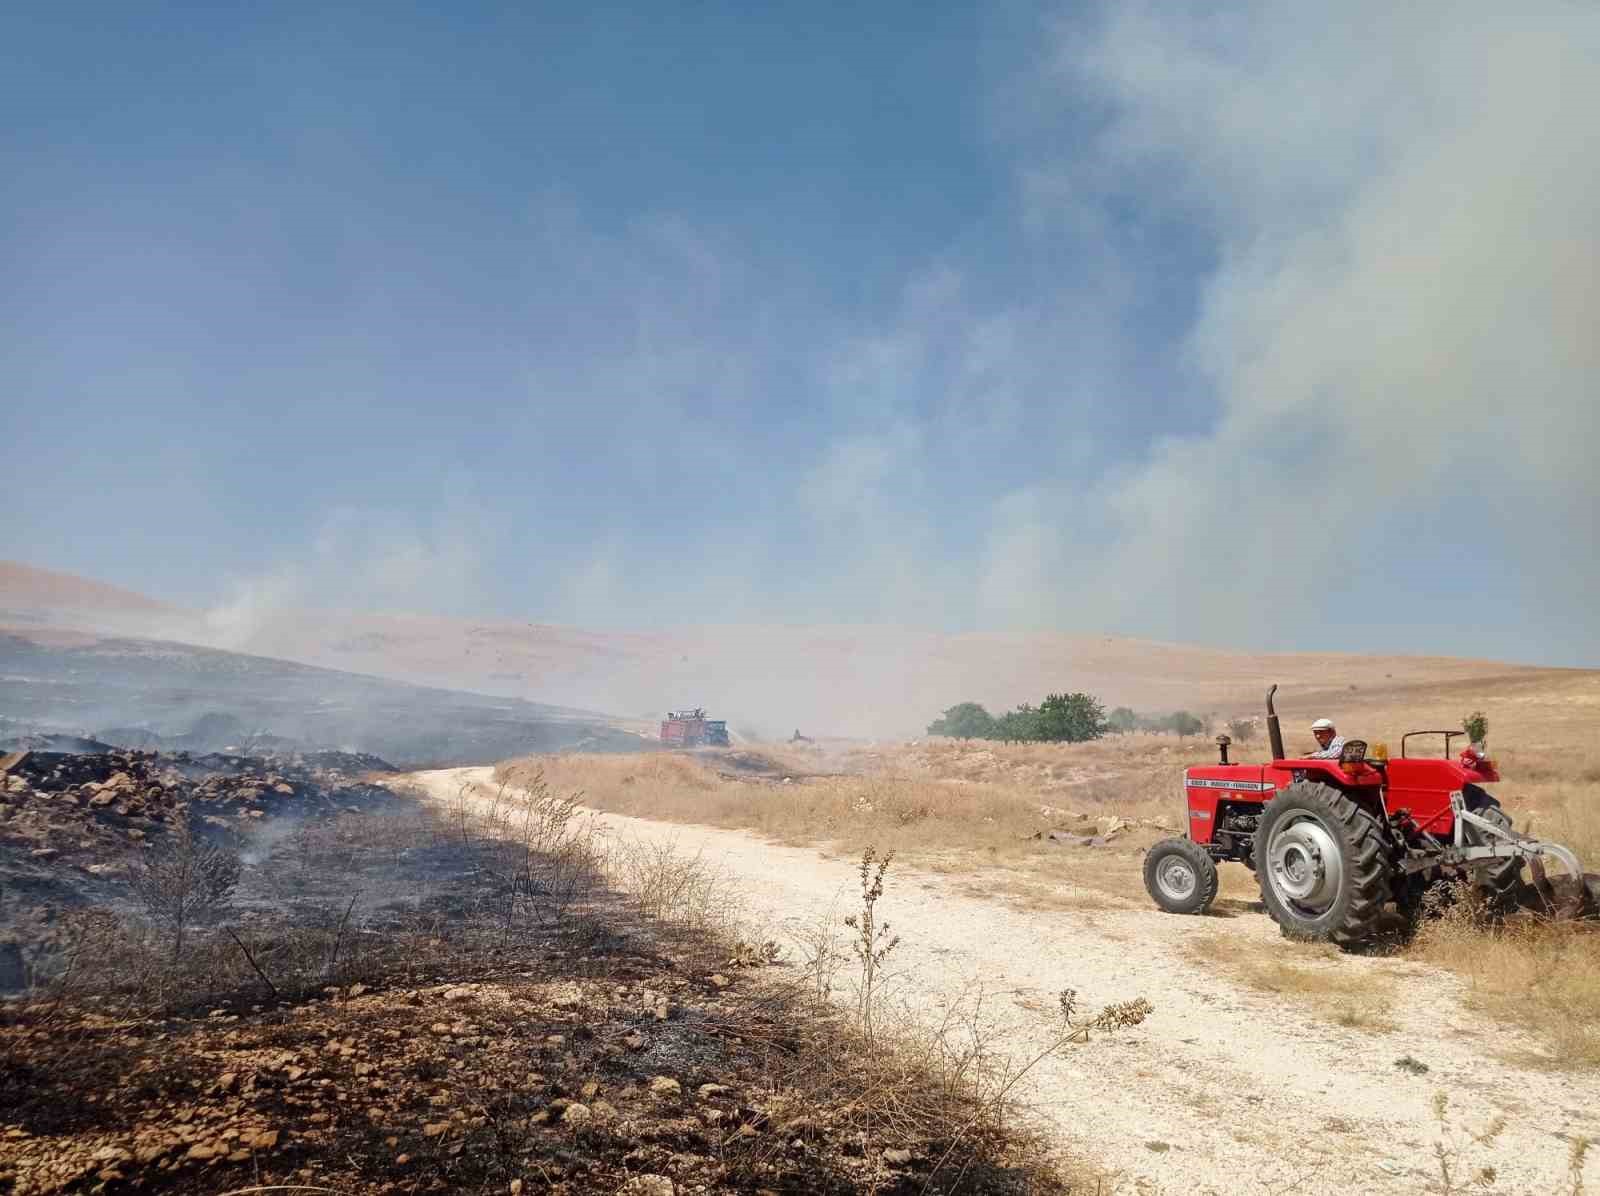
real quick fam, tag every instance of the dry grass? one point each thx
(972, 808)
(939, 805)
(1316, 978)
(1542, 976)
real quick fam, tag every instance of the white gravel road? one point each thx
(1223, 1089)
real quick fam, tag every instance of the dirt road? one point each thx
(1224, 1089)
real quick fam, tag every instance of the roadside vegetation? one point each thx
(943, 804)
(1532, 972)
(986, 809)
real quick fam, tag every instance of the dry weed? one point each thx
(665, 885)
(822, 951)
(873, 941)
(1463, 1156)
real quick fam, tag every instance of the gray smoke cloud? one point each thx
(1379, 434)
(1393, 414)
(1404, 201)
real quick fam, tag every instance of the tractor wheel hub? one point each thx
(1305, 865)
(1177, 878)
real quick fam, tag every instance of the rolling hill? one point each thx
(769, 680)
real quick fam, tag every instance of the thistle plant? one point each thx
(873, 941)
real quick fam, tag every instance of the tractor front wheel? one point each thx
(1320, 861)
(1181, 876)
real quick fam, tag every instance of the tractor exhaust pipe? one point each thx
(1274, 732)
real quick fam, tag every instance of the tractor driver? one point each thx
(1330, 743)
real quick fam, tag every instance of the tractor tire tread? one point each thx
(1499, 885)
(1205, 869)
(1367, 871)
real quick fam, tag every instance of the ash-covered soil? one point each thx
(393, 1002)
(72, 825)
(596, 1066)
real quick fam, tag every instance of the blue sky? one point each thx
(1164, 320)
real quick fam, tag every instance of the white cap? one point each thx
(1322, 724)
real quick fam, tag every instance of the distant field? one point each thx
(773, 680)
(937, 793)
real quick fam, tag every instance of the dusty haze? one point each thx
(769, 681)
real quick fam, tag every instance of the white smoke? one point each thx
(360, 559)
(1405, 203)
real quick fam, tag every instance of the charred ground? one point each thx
(77, 691)
(396, 1001)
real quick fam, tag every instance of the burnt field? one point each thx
(75, 827)
(75, 691)
(359, 994)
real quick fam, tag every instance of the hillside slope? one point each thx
(823, 680)
(150, 693)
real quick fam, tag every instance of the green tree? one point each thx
(965, 720)
(1242, 729)
(1181, 723)
(1122, 720)
(1476, 725)
(1071, 718)
(1018, 726)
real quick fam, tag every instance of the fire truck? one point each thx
(691, 728)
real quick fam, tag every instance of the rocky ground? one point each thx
(73, 825)
(394, 1003)
(61, 804)
(631, 1078)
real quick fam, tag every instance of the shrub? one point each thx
(187, 882)
(966, 720)
(1182, 723)
(1018, 726)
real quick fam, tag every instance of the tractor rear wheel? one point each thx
(1321, 863)
(1181, 876)
(1499, 884)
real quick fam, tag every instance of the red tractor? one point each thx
(1332, 842)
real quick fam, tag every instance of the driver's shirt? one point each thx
(1331, 752)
